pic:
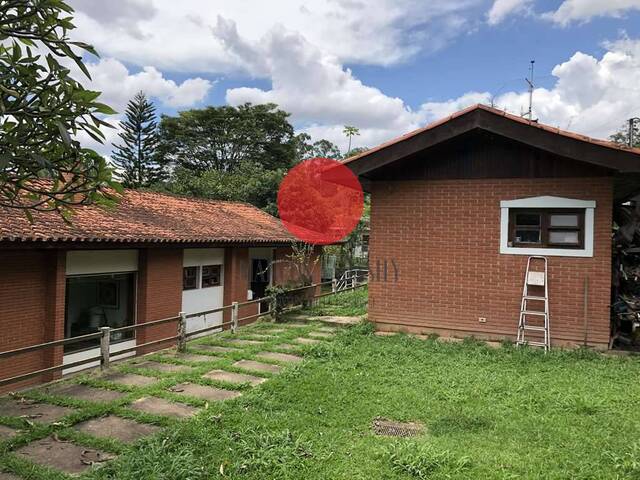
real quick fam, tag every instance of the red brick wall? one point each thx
(31, 311)
(444, 239)
(159, 293)
(236, 283)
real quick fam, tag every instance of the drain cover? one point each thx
(390, 428)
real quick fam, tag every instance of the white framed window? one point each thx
(552, 226)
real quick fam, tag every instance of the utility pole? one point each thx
(632, 124)
(531, 86)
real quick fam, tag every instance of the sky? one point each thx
(384, 66)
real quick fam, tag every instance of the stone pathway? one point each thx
(255, 349)
(122, 429)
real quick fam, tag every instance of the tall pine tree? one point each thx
(135, 159)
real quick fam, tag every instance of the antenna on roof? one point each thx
(531, 86)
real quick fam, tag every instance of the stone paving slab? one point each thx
(279, 357)
(62, 455)
(215, 348)
(328, 329)
(233, 377)
(161, 367)
(307, 341)
(243, 342)
(129, 379)
(84, 392)
(6, 433)
(287, 346)
(260, 336)
(33, 411)
(160, 406)
(122, 429)
(321, 334)
(295, 325)
(257, 366)
(210, 394)
(193, 357)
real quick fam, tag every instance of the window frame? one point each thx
(216, 266)
(196, 277)
(545, 227)
(560, 204)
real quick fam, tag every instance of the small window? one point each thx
(189, 278)
(546, 228)
(211, 276)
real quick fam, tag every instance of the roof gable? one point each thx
(559, 142)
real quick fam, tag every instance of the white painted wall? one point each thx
(87, 262)
(201, 299)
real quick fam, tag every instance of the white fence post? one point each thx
(182, 332)
(334, 285)
(234, 317)
(105, 341)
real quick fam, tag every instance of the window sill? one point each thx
(549, 252)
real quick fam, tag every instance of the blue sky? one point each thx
(384, 66)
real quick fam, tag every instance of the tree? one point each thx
(349, 132)
(319, 149)
(135, 159)
(42, 109)
(221, 138)
(622, 135)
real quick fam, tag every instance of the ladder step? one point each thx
(536, 344)
(535, 329)
(529, 312)
(529, 297)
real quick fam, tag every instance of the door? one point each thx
(260, 279)
(203, 286)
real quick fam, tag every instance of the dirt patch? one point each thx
(33, 411)
(6, 433)
(83, 392)
(119, 428)
(210, 394)
(390, 428)
(257, 366)
(160, 406)
(232, 377)
(62, 455)
(8, 476)
(279, 357)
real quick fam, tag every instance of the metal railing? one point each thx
(104, 333)
(351, 278)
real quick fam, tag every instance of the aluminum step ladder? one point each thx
(537, 278)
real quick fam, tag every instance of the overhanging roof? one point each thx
(618, 158)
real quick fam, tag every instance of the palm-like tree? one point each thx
(349, 132)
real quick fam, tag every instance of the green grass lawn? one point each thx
(352, 303)
(488, 413)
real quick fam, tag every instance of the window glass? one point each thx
(210, 276)
(565, 237)
(95, 301)
(564, 220)
(528, 219)
(527, 236)
(189, 278)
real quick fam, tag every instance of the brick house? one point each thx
(458, 206)
(150, 258)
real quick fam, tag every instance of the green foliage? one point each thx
(423, 460)
(350, 132)
(135, 158)
(249, 182)
(622, 135)
(223, 138)
(319, 149)
(42, 108)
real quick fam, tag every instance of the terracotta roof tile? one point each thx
(149, 217)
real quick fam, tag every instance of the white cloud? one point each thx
(584, 10)
(176, 36)
(118, 85)
(591, 96)
(501, 9)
